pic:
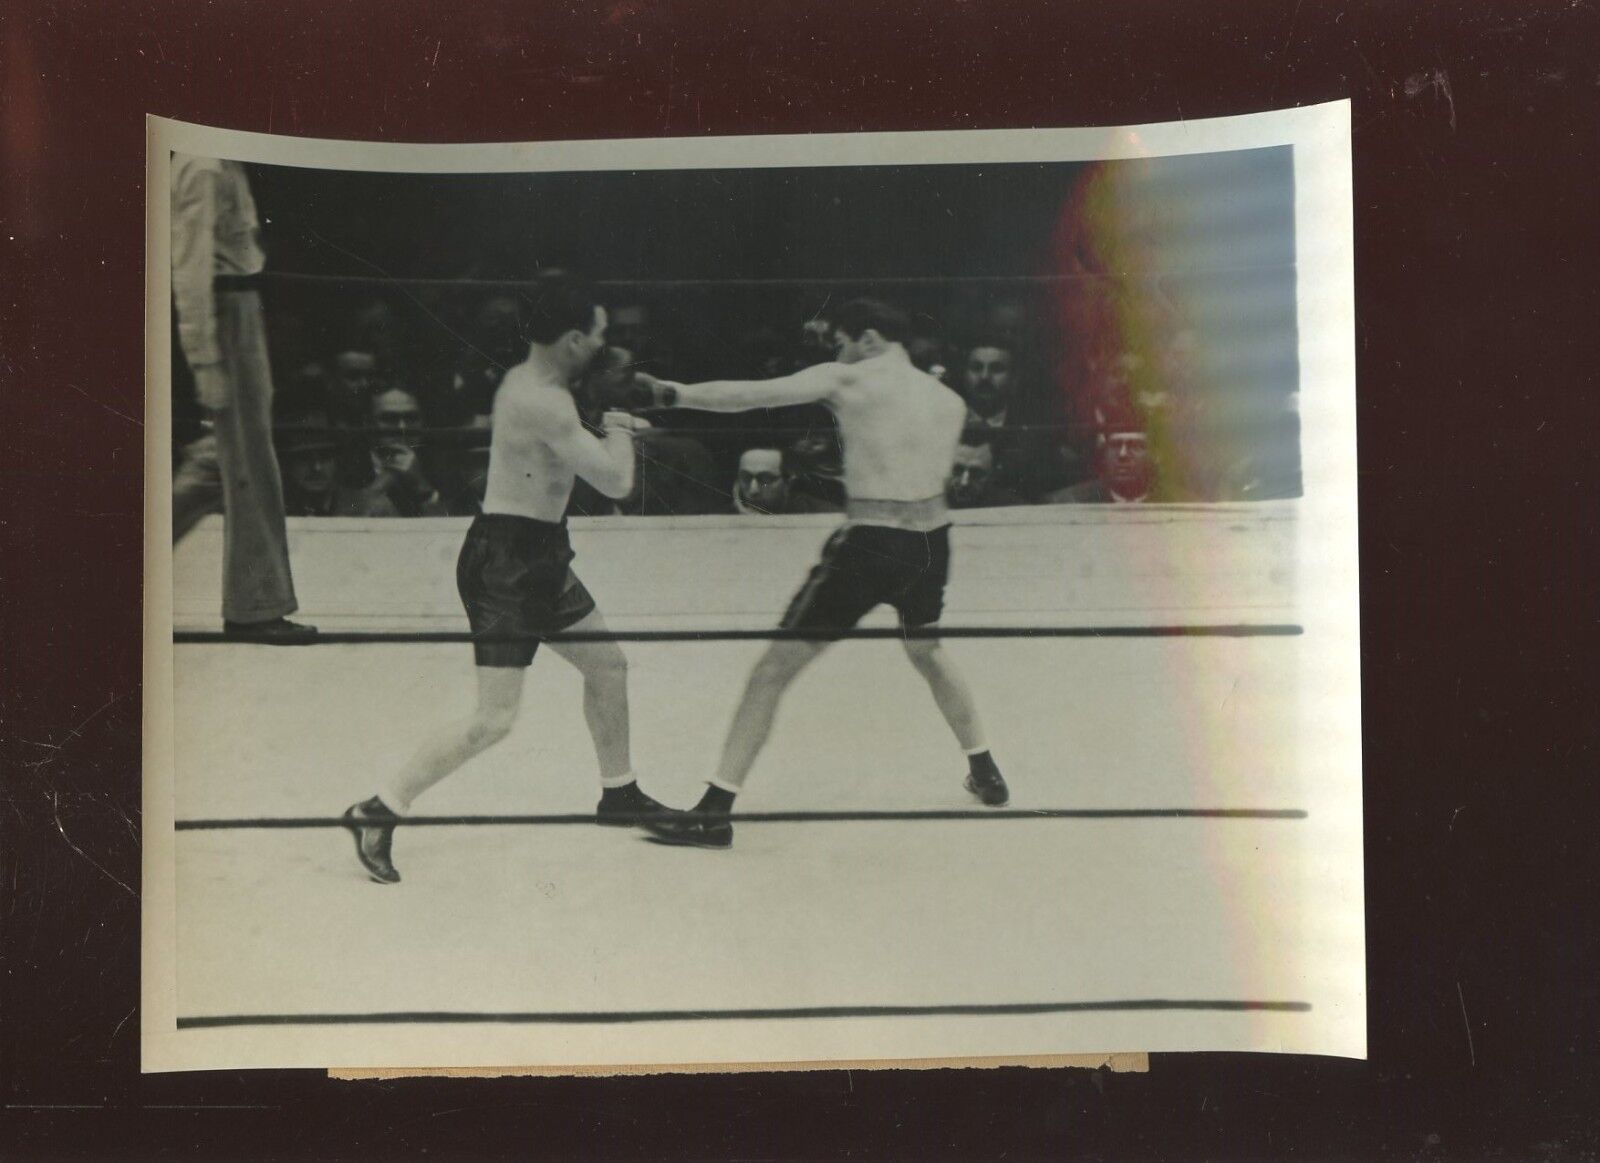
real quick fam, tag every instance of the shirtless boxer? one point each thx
(900, 429)
(514, 579)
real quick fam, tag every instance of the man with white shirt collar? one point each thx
(988, 380)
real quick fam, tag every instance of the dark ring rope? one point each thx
(615, 1017)
(287, 822)
(399, 637)
(424, 283)
(480, 434)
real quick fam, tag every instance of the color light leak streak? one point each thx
(1179, 323)
(1179, 318)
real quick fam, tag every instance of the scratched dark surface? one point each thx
(1476, 131)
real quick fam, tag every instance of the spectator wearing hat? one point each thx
(308, 453)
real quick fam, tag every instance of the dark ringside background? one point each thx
(1476, 127)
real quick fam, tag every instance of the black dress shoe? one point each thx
(690, 830)
(275, 630)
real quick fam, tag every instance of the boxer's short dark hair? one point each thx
(557, 305)
(861, 315)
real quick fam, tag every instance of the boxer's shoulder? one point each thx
(526, 392)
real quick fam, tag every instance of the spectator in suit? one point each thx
(309, 450)
(764, 486)
(972, 483)
(1028, 458)
(1125, 471)
(399, 471)
(308, 453)
(988, 383)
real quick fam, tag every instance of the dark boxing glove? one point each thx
(647, 393)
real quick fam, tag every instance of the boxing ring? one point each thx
(1141, 673)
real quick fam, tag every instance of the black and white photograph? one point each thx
(788, 599)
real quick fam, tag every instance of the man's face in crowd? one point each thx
(761, 482)
(630, 326)
(986, 380)
(611, 377)
(970, 475)
(816, 342)
(1121, 372)
(1125, 462)
(499, 337)
(311, 471)
(355, 378)
(1007, 319)
(398, 417)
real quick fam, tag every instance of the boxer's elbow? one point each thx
(616, 482)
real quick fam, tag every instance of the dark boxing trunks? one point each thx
(863, 565)
(514, 579)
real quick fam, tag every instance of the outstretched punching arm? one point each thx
(817, 384)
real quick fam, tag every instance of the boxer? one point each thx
(515, 579)
(900, 428)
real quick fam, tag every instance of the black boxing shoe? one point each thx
(623, 807)
(986, 782)
(690, 830)
(372, 824)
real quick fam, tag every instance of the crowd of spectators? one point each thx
(389, 416)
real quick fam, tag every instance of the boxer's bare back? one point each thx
(900, 429)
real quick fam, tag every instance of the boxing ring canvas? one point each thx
(1171, 687)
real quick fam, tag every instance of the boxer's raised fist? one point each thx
(623, 422)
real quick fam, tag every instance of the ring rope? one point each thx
(478, 284)
(865, 816)
(436, 637)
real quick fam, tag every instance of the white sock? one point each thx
(394, 801)
(727, 787)
(622, 780)
(971, 751)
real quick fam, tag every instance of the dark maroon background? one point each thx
(1475, 178)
